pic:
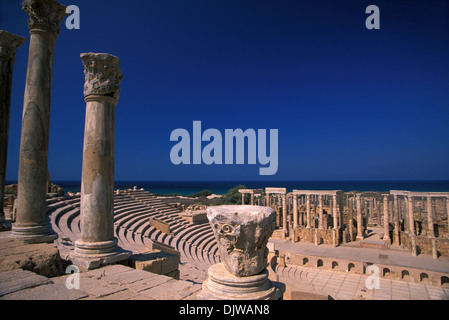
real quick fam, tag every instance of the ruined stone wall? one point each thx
(424, 244)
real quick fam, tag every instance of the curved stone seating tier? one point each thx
(132, 210)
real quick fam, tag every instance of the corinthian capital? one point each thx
(9, 43)
(102, 74)
(44, 14)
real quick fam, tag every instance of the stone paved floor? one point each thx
(114, 282)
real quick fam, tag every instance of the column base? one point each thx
(222, 285)
(92, 255)
(34, 234)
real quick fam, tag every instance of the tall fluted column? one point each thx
(295, 211)
(308, 211)
(334, 211)
(351, 217)
(8, 47)
(411, 224)
(45, 17)
(431, 232)
(447, 214)
(98, 246)
(284, 215)
(320, 212)
(359, 217)
(386, 222)
(396, 219)
(411, 217)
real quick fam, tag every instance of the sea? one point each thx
(221, 187)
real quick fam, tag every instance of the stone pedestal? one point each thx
(8, 47)
(242, 234)
(221, 285)
(98, 246)
(45, 17)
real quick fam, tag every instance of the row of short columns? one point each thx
(320, 211)
(101, 92)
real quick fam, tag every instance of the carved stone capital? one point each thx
(102, 74)
(242, 234)
(44, 14)
(9, 43)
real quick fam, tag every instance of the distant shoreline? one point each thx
(221, 187)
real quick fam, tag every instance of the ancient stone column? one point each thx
(295, 211)
(386, 222)
(308, 211)
(334, 211)
(359, 217)
(243, 198)
(8, 47)
(320, 212)
(431, 232)
(396, 219)
(284, 216)
(98, 246)
(411, 218)
(242, 234)
(252, 199)
(411, 223)
(351, 217)
(45, 17)
(447, 214)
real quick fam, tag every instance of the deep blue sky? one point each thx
(349, 103)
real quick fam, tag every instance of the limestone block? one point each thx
(155, 261)
(159, 225)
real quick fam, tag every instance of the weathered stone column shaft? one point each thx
(334, 211)
(396, 219)
(45, 17)
(9, 44)
(359, 218)
(101, 92)
(320, 212)
(411, 217)
(97, 187)
(386, 222)
(295, 211)
(430, 217)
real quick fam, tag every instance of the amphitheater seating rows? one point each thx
(132, 210)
